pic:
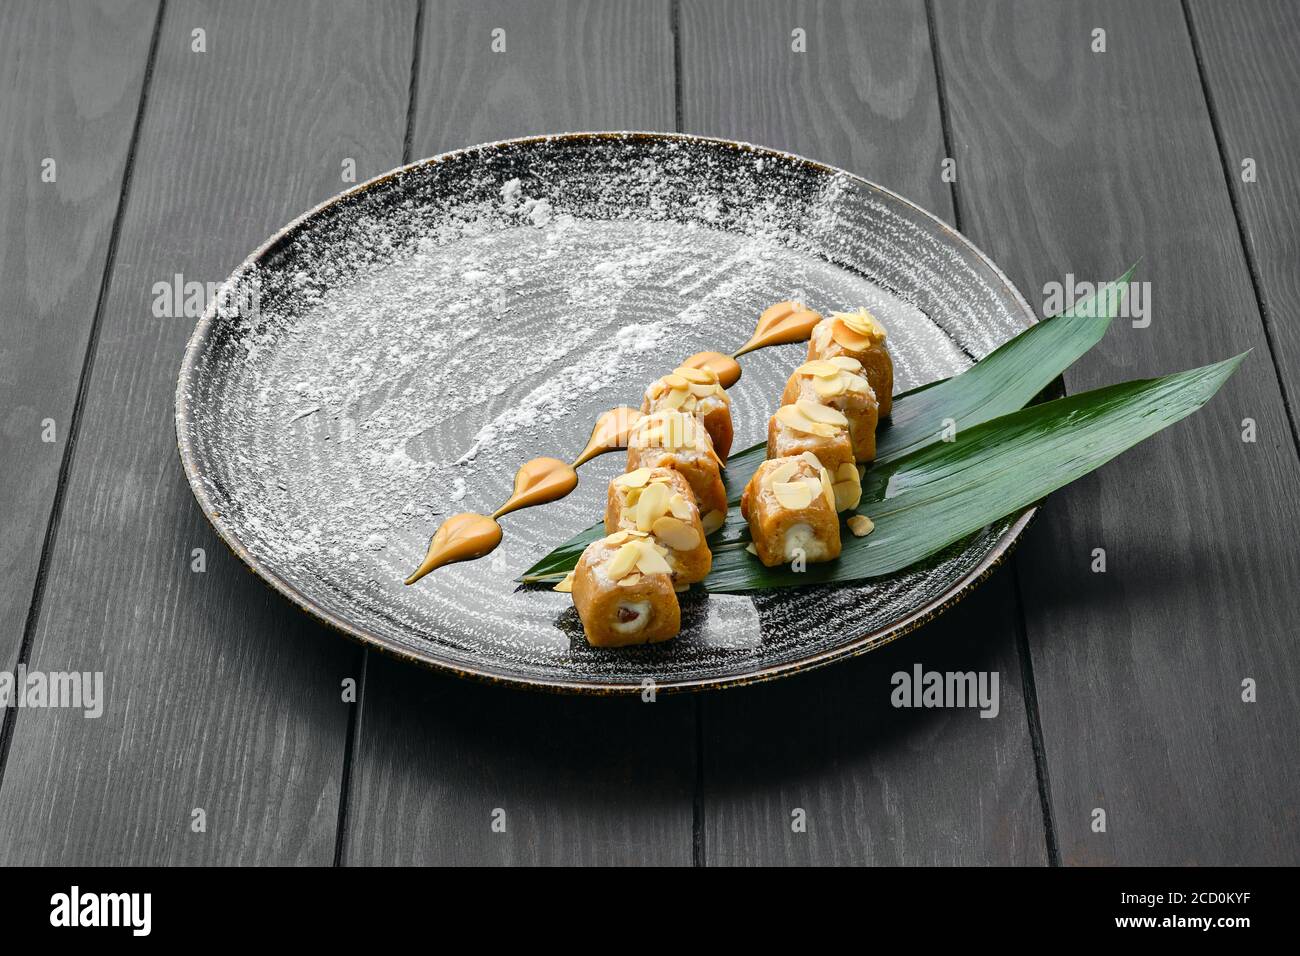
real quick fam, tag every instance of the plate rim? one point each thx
(1002, 546)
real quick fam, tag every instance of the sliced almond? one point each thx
(783, 472)
(677, 534)
(565, 586)
(854, 383)
(712, 521)
(861, 525)
(848, 491)
(794, 495)
(822, 413)
(822, 368)
(633, 479)
(752, 549)
(675, 398)
(814, 486)
(828, 489)
(847, 496)
(680, 507)
(812, 460)
(846, 363)
(652, 503)
(618, 537)
(864, 323)
(848, 338)
(792, 417)
(699, 376)
(675, 381)
(624, 560)
(636, 534)
(650, 561)
(829, 387)
(678, 431)
(704, 391)
(629, 580)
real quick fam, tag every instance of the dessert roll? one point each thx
(678, 441)
(858, 335)
(698, 392)
(839, 382)
(790, 507)
(623, 590)
(809, 426)
(659, 502)
(822, 431)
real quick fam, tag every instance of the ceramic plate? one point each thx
(392, 356)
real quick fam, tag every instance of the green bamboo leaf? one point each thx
(936, 496)
(1003, 381)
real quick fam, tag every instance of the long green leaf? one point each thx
(937, 495)
(1005, 380)
(940, 494)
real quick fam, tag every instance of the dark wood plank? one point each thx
(878, 785)
(220, 694)
(1070, 160)
(1250, 66)
(579, 780)
(70, 77)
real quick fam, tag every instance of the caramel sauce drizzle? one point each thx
(461, 537)
(724, 366)
(466, 536)
(609, 434)
(539, 482)
(781, 324)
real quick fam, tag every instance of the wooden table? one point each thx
(1120, 691)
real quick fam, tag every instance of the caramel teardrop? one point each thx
(782, 324)
(461, 537)
(726, 367)
(610, 433)
(539, 482)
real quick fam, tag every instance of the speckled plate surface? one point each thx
(392, 356)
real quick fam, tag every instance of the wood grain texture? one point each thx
(579, 780)
(220, 695)
(1070, 160)
(70, 77)
(1250, 61)
(878, 784)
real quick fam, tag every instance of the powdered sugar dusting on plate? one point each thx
(411, 348)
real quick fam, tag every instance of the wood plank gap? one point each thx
(1252, 266)
(354, 717)
(944, 124)
(83, 386)
(675, 25)
(349, 747)
(413, 92)
(1028, 688)
(1030, 692)
(699, 857)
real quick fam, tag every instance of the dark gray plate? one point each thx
(392, 356)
